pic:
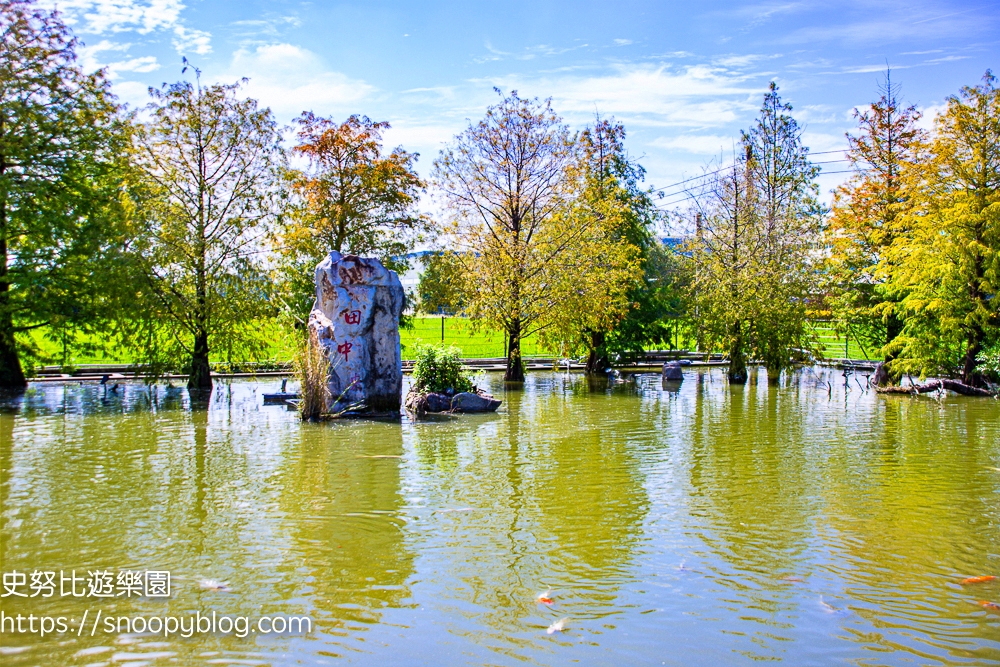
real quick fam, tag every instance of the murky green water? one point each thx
(706, 526)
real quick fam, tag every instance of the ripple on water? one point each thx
(710, 524)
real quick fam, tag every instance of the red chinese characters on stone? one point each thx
(353, 317)
(345, 349)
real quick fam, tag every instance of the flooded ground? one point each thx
(806, 524)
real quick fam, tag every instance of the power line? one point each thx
(695, 178)
(693, 195)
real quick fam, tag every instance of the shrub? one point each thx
(989, 362)
(312, 369)
(438, 368)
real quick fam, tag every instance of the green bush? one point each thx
(438, 368)
(989, 362)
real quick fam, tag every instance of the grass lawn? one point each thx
(425, 331)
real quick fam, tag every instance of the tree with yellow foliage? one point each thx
(538, 257)
(944, 264)
(866, 219)
(354, 197)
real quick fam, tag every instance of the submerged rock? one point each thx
(355, 320)
(673, 372)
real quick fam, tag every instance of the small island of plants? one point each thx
(441, 384)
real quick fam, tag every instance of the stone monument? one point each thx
(355, 321)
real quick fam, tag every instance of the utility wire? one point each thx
(694, 178)
(693, 195)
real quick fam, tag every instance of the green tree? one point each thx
(536, 255)
(211, 165)
(354, 198)
(783, 181)
(755, 250)
(868, 211)
(629, 216)
(441, 284)
(725, 253)
(945, 263)
(60, 176)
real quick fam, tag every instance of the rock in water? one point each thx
(438, 402)
(355, 320)
(469, 402)
(672, 372)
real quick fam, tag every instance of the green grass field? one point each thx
(425, 331)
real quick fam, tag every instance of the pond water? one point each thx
(806, 524)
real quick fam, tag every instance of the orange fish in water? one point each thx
(992, 606)
(977, 580)
(545, 598)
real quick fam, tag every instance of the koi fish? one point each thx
(558, 626)
(977, 580)
(827, 607)
(992, 606)
(213, 585)
(545, 598)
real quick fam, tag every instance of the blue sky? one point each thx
(684, 77)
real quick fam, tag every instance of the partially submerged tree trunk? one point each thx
(515, 367)
(970, 362)
(11, 374)
(597, 360)
(200, 377)
(737, 357)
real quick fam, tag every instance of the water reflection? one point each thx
(699, 523)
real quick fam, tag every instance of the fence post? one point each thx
(442, 329)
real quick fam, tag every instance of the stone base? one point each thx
(420, 403)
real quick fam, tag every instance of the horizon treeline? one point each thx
(169, 234)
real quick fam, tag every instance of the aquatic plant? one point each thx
(438, 368)
(311, 369)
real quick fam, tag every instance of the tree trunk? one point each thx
(737, 358)
(893, 327)
(11, 374)
(597, 360)
(973, 347)
(200, 377)
(515, 367)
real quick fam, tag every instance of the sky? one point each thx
(683, 77)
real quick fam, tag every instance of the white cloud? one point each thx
(98, 17)
(290, 79)
(133, 93)
(142, 65)
(692, 96)
(699, 144)
(90, 56)
(424, 138)
(187, 40)
(822, 142)
(97, 57)
(930, 113)
(623, 42)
